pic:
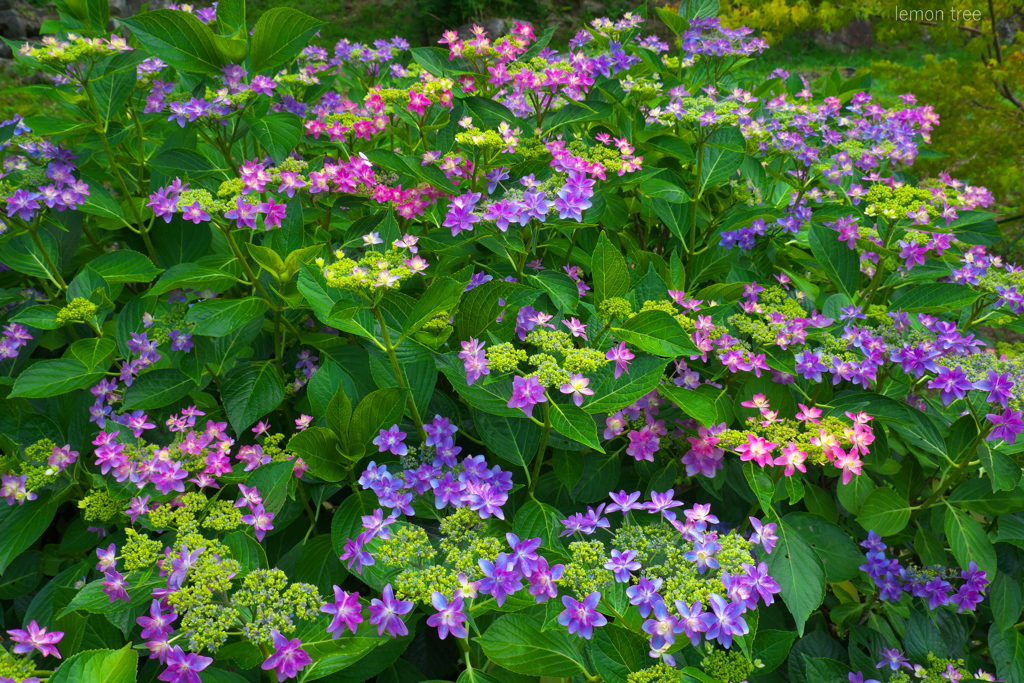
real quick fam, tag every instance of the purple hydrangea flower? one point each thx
(115, 586)
(726, 622)
(385, 613)
(953, 384)
(526, 393)
(543, 578)
(391, 440)
(663, 628)
(288, 659)
(450, 616)
(346, 611)
(894, 659)
(644, 595)
(582, 617)
(260, 520)
(622, 356)
(183, 667)
(157, 625)
(35, 638)
(500, 578)
(1006, 425)
(460, 214)
(621, 564)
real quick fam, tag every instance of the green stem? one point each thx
(101, 128)
(59, 280)
(538, 460)
(389, 348)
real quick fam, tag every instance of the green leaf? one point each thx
(249, 392)
(976, 495)
(277, 133)
(22, 525)
(587, 477)
(41, 316)
(772, 647)
(514, 439)
(54, 377)
(935, 297)
(442, 295)
(1007, 649)
(539, 520)
(760, 483)
(280, 35)
(839, 554)
(190, 275)
(1011, 529)
(186, 163)
(574, 423)
(618, 653)
(92, 13)
(480, 308)
(1003, 473)
(99, 202)
(231, 18)
(318, 448)
(609, 269)
(662, 189)
(23, 255)
(675, 23)
(124, 265)
(92, 599)
(99, 666)
(112, 91)
(435, 61)
(247, 550)
(515, 642)
(885, 512)
(559, 287)
(657, 333)
(799, 573)
(968, 541)
(93, 353)
(22, 576)
(610, 394)
(179, 39)
(219, 317)
(158, 388)
(842, 265)
(490, 112)
(823, 670)
(491, 398)
(721, 157)
(378, 410)
(577, 112)
(1006, 600)
(695, 404)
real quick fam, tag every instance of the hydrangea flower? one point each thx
(183, 667)
(288, 658)
(346, 612)
(450, 617)
(581, 617)
(392, 440)
(386, 613)
(36, 637)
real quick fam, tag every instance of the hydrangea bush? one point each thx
(494, 363)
